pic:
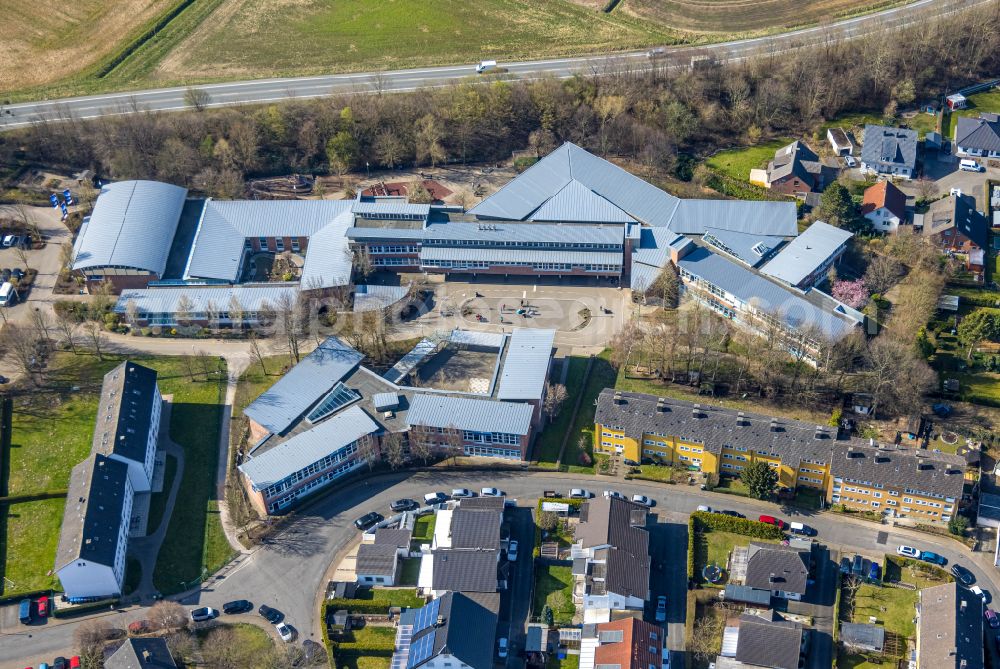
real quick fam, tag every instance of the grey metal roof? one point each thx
(164, 300)
(124, 411)
(141, 653)
(774, 567)
(747, 595)
(464, 570)
(740, 245)
(889, 147)
(769, 642)
(465, 413)
(374, 298)
(285, 402)
(409, 362)
(643, 276)
(477, 338)
(526, 364)
(862, 635)
(328, 257)
(805, 253)
(307, 447)
(754, 217)
(751, 288)
(563, 233)
(500, 256)
(387, 233)
(576, 202)
(950, 628)
(376, 560)
(977, 133)
(132, 225)
(92, 519)
(385, 401)
(389, 206)
(654, 246)
(959, 212)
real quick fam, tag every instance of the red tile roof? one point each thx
(884, 194)
(633, 651)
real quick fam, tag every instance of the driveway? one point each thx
(818, 604)
(516, 601)
(668, 546)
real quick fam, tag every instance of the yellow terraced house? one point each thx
(908, 484)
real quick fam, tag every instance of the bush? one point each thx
(692, 529)
(835, 417)
(702, 521)
(371, 607)
(958, 525)
(66, 612)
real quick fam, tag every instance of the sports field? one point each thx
(55, 48)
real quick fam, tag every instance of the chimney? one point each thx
(740, 419)
(661, 404)
(440, 621)
(146, 655)
(774, 425)
(618, 397)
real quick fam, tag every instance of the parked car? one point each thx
(459, 493)
(60, 663)
(42, 605)
(704, 508)
(203, 614)
(771, 520)
(512, 550)
(799, 528)
(908, 551)
(963, 575)
(403, 505)
(734, 514)
(74, 662)
(491, 492)
(874, 572)
(435, 498)
(17, 273)
(237, 606)
(976, 590)
(845, 566)
(580, 493)
(502, 648)
(269, 614)
(850, 161)
(368, 520)
(933, 558)
(630, 463)
(284, 631)
(9, 241)
(24, 611)
(991, 618)
(661, 609)
(858, 566)
(140, 627)
(613, 493)
(642, 499)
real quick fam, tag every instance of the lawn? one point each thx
(731, 485)
(551, 438)
(808, 498)
(568, 662)
(987, 101)
(403, 597)
(554, 586)
(367, 648)
(714, 547)
(28, 544)
(737, 163)
(423, 529)
(409, 572)
(602, 375)
(657, 472)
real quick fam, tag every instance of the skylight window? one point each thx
(335, 400)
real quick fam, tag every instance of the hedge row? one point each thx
(90, 607)
(370, 607)
(692, 529)
(745, 526)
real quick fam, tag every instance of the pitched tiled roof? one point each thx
(141, 653)
(629, 643)
(935, 474)
(884, 194)
(950, 628)
(889, 147)
(795, 159)
(774, 567)
(769, 642)
(474, 528)
(978, 133)
(376, 559)
(959, 212)
(621, 524)
(393, 537)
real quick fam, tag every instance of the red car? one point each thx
(771, 520)
(74, 662)
(43, 606)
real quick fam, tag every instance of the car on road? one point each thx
(771, 520)
(512, 550)
(991, 618)
(800, 528)
(845, 566)
(933, 558)
(491, 492)
(858, 566)
(10, 240)
(642, 499)
(976, 590)
(237, 606)
(269, 614)
(368, 520)
(502, 648)
(60, 663)
(734, 514)
(580, 493)
(42, 605)
(459, 493)
(704, 508)
(908, 551)
(203, 614)
(284, 631)
(963, 575)
(403, 505)
(140, 627)
(661, 609)
(435, 498)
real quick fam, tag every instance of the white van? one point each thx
(8, 296)
(967, 165)
(485, 66)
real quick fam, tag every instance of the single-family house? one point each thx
(796, 170)
(763, 640)
(141, 653)
(783, 570)
(978, 137)
(890, 151)
(954, 224)
(949, 628)
(627, 643)
(453, 631)
(464, 554)
(839, 141)
(884, 206)
(378, 561)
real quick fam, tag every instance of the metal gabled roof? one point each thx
(286, 401)
(500, 256)
(654, 246)
(529, 190)
(164, 300)
(132, 225)
(576, 203)
(373, 298)
(744, 246)
(526, 364)
(308, 447)
(755, 217)
(564, 233)
(463, 413)
(328, 257)
(806, 252)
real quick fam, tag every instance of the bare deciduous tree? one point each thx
(168, 615)
(94, 333)
(555, 397)
(393, 449)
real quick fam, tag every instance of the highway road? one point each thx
(290, 573)
(273, 90)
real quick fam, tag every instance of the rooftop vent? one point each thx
(774, 425)
(661, 404)
(618, 397)
(440, 621)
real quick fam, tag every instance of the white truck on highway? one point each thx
(486, 66)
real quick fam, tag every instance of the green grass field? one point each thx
(602, 375)
(737, 163)
(714, 547)
(30, 536)
(367, 648)
(552, 435)
(987, 101)
(554, 586)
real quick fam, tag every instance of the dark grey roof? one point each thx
(124, 410)
(774, 567)
(620, 524)
(959, 212)
(491, 503)
(862, 635)
(471, 528)
(769, 642)
(934, 474)
(466, 630)
(950, 628)
(748, 595)
(463, 570)
(795, 159)
(889, 147)
(393, 537)
(141, 653)
(92, 520)
(978, 133)
(377, 559)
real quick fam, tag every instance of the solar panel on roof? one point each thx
(426, 616)
(421, 650)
